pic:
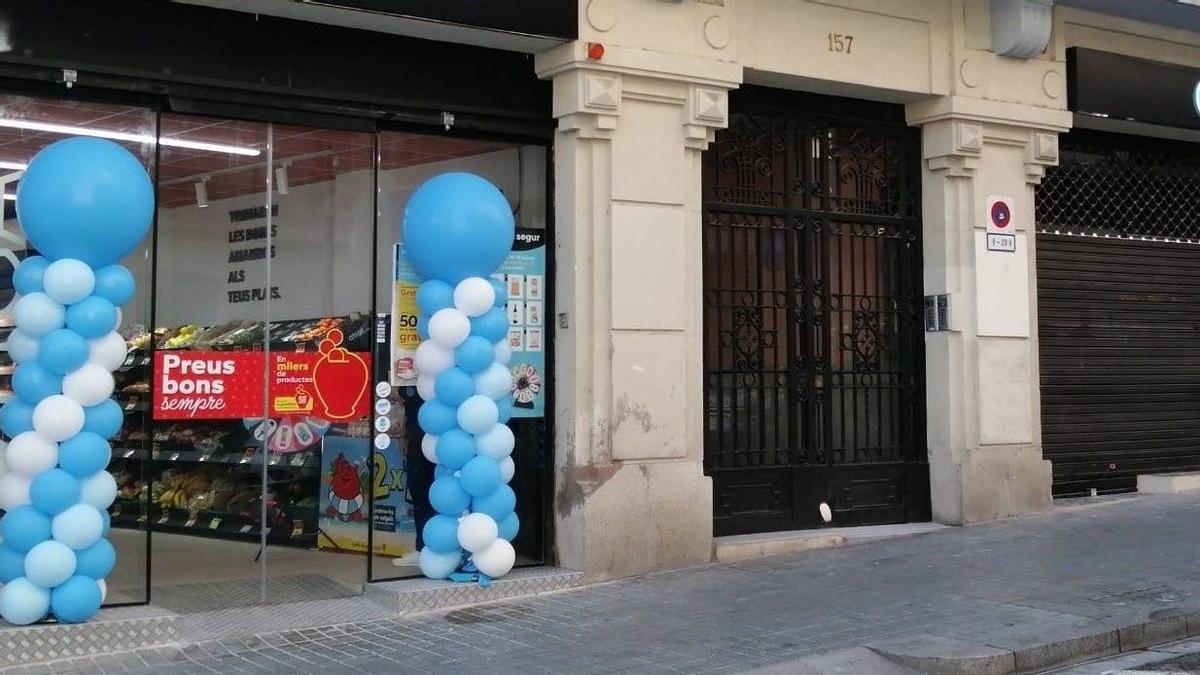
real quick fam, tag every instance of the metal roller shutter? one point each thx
(1118, 265)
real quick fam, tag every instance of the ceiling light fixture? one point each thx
(127, 136)
(281, 178)
(202, 193)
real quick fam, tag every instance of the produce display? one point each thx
(204, 477)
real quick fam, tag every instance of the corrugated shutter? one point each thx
(1119, 326)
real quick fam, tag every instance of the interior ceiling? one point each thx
(311, 155)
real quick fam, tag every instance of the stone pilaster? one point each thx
(984, 427)
(630, 492)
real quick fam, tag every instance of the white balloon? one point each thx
(79, 526)
(429, 447)
(449, 327)
(14, 491)
(98, 490)
(497, 443)
(120, 319)
(508, 469)
(3, 458)
(22, 347)
(91, 384)
(109, 351)
(474, 296)
(57, 418)
(431, 359)
(425, 387)
(494, 383)
(495, 560)
(477, 414)
(103, 589)
(68, 281)
(30, 454)
(503, 352)
(477, 531)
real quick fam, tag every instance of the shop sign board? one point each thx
(347, 487)
(332, 385)
(1001, 233)
(523, 274)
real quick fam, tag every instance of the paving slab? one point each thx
(999, 590)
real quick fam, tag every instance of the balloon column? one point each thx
(457, 230)
(84, 203)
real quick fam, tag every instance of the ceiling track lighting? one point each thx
(281, 178)
(169, 141)
(202, 193)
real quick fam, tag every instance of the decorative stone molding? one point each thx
(708, 110)
(601, 15)
(1042, 152)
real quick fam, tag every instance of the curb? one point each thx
(940, 655)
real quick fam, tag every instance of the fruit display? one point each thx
(204, 477)
(184, 337)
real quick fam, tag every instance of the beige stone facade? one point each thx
(631, 495)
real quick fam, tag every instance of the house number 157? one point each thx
(840, 43)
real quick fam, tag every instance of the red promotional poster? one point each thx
(332, 383)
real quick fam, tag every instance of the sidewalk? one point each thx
(1002, 586)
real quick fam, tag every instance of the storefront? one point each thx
(267, 452)
(1119, 276)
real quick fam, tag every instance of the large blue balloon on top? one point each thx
(85, 198)
(456, 225)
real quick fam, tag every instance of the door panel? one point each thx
(813, 346)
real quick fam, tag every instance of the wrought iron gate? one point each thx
(814, 351)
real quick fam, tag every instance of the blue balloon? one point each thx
(24, 602)
(436, 417)
(12, 564)
(498, 504)
(22, 347)
(509, 527)
(27, 278)
(84, 454)
(453, 386)
(433, 295)
(439, 471)
(439, 565)
(92, 317)
(97, 560)
(104, 419)
(62, 351)
(501, 291)
(481, 476)
(37, 314)
(457, 225)
(53, 491)
(16, 417)
(24, 527)
(455, 448)
(440, 533)
(505, 406)
(107, 518)
(33, 383)
(68, 281)
(49, 564)
(86, 198)
(475, 355)
(423, 327)
(447, 496)
(115, 284)
(492, 326)
(76, 600)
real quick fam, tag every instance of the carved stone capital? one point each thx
(1041, 152)
(707, 110)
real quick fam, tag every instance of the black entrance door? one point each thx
(813, 315)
